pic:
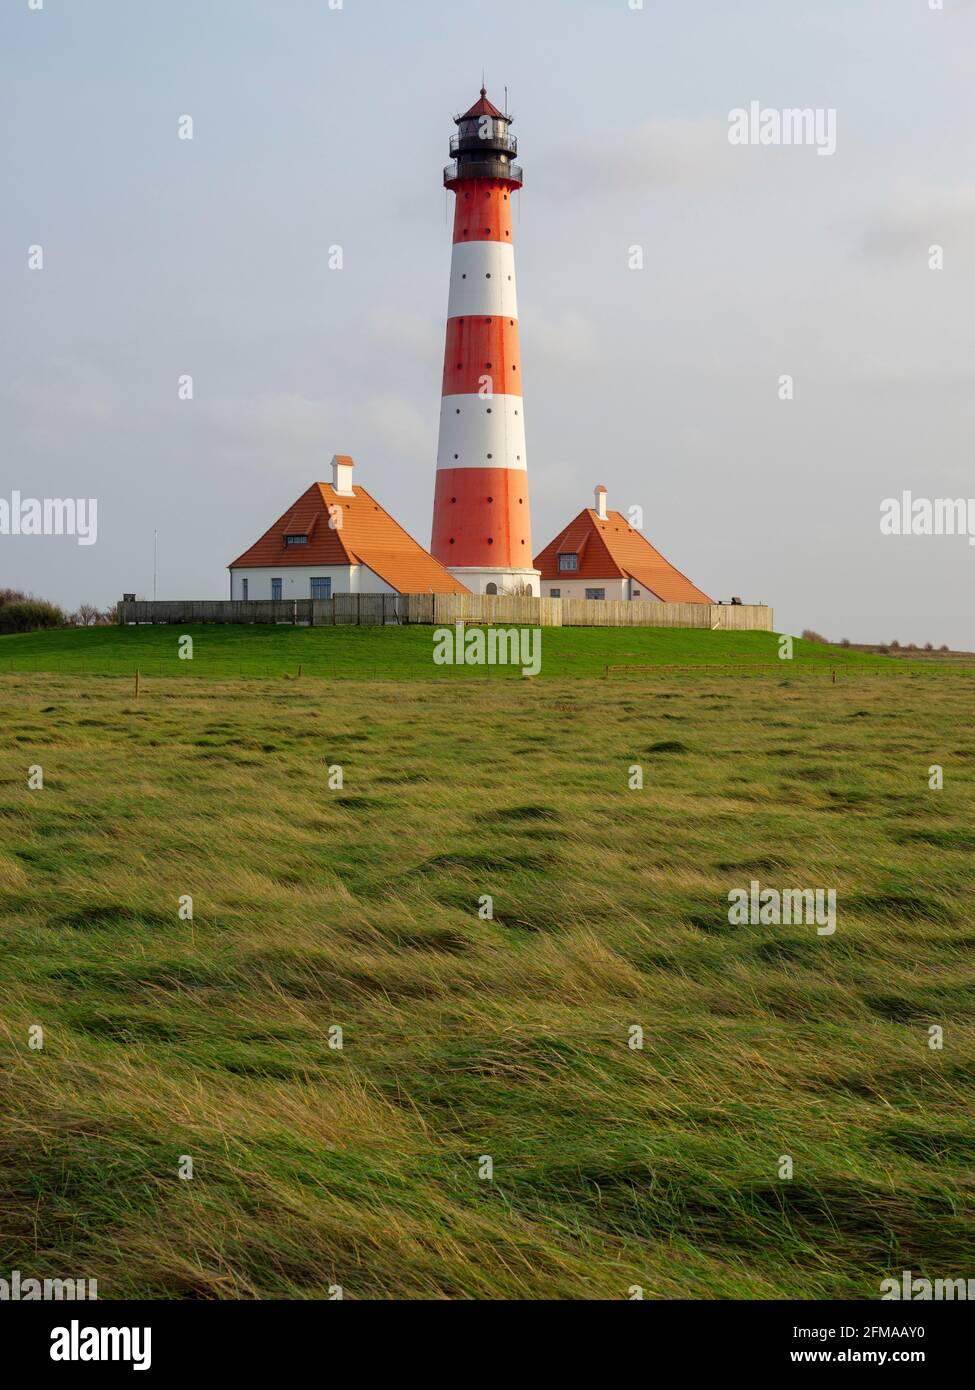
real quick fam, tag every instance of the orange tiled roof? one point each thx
(368, 535)
(612, 549)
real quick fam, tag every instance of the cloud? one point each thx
(668, 153)
(401, 427)
(411, 335)
(77, 390)
(566, 338)
(918, 218)
(271, 419)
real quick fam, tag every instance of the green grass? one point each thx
(464, 1037)
(394, 653)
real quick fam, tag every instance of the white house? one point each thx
(600, 555)
(337, 539)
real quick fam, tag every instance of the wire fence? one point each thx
(427, 670)
(795, 667)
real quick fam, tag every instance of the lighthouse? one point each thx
(481, 525)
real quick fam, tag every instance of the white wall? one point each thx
(296, 580)
(477, 580)
(615, 588)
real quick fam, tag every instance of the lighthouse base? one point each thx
(498, 581)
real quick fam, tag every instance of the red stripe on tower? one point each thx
(481, 526)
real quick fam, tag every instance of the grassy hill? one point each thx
(393, 653)
(464, 1037)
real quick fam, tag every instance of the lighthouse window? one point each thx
(488, 276)
(490, 456)
(569, 562)
(456, 456)
(489, 410)
(490, 540)
(490, 499)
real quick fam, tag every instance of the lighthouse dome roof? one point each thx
(482, 107)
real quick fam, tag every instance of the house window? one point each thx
(568, 562)
(595, 593)
(555, 593)
(296, 540)
(243, 588)
(275, 588)
(636, 593)
(491, 589)
(321, 588)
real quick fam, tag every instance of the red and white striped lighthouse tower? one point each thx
(481, 527)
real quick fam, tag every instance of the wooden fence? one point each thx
(443, 609)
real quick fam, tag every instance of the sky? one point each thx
(316, 127)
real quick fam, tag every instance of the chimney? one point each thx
(601, 502)
(342, 467)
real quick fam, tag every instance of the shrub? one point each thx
(22, 614)
(810, 636)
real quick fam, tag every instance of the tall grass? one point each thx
(463, 1037)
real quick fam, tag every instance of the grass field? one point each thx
(394, 653)
(464, 1037)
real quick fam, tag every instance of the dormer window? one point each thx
(296, 540)
(569, 561)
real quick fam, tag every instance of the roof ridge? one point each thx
(336, 530)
